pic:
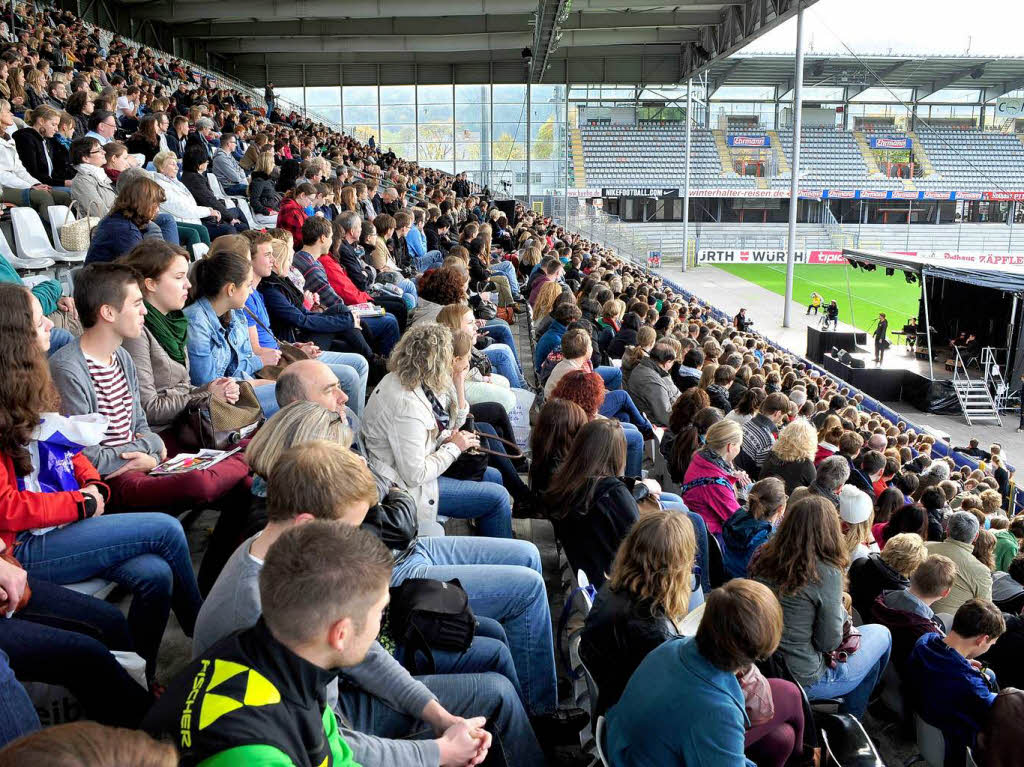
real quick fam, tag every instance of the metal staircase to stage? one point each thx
(973, 393)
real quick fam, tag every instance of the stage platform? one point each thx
(729, 293)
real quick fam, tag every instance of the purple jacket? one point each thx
(708, 491)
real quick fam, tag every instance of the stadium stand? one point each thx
(358, 470)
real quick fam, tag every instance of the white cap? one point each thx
(854, 505)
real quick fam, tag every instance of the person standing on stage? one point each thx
(880, 342)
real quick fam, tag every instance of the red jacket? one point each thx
(292, 217)
(341, 282)
(22, 510)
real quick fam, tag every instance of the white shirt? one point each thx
(124, 103)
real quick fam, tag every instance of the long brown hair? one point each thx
(26, 389)
(809, 532)
(88, 744)
(599, 450)
(655, 562)
(552, 436)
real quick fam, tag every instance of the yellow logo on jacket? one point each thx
(258, 692)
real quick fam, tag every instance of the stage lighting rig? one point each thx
(910, 277)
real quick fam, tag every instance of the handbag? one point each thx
(847, 647)
(471, 464)
(483, 309)
(427, 614)
(76, 235)
(289, 353)
(757, 696)
(211, 423)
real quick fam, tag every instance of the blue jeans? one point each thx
(168, 227)
(504, 582)
(485, 501)
(145, 552)
(509, 475)
(499, 332)
(504, 363)
(618, 404)
(235, 190)
(854, 680)
(409, 293)
(17, 714)
(385, 332)
(611, 375)
(431, 260)
(265, 393)
(488, 653)
(489, 695)
(508, 269)
(65, 638)
(634, 450)
(352, 371)
(59, 337)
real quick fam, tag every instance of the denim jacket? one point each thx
(214, 351)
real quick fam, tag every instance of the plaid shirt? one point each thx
(291, 217)
(316, 279)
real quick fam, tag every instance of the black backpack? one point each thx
(427, 614)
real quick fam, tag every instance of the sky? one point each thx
(891, 27)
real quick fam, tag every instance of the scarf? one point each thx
(440, 414)
(169, 330)
(711, 456)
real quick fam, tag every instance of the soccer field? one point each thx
(872, 292)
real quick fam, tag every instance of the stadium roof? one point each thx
(929, 74)
(368, 42)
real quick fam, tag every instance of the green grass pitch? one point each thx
(872, 292)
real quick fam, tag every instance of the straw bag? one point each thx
(76, 234)
(211, 423)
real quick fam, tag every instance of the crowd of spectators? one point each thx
(254, 262)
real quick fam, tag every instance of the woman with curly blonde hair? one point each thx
(792, 456)
(412, 433)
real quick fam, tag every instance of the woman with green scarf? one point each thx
(161, 364)
(160, 353)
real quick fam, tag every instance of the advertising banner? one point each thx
(889, 142)
(654, 259)
(641, 191)
(750, 141)
(767, 256)
(1006, 107)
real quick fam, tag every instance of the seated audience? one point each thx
(61, 533)
(856, 515)
(761, 431)
(752, 525)
(651, 385)
(944, 682)
(973, 579)
(687, 699)
(412, 432)
(193, 177)
(218, 336)
(907, 612)
(889, 570)
(791, 458)
(804, 563)
(712, 485)
(121, 229)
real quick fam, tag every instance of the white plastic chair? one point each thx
(94, 587)
(218, 191)
(30, 237)
(243, 205)
(29, 264)
(930, 742)
(58, 215)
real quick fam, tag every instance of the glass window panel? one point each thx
(362, 132)
(957, 95)
(329, 96)
(881, 95)
(546, 92)
(328, 114)
(472, 113)
(435, 94)
(435, 113)
(509, 94)
(435, 152)
(359, 95)
(403, 150)
(398, 94)
(469, 152)
(398, 115)
(292, 95)
(357, 114)
(398, 133)
(472, 94)
(505, 147)
(435, 134)
(512, 129)
(509, 113)
(468, 132)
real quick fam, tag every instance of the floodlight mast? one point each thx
(794, 187)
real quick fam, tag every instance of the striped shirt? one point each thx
(114, 400)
